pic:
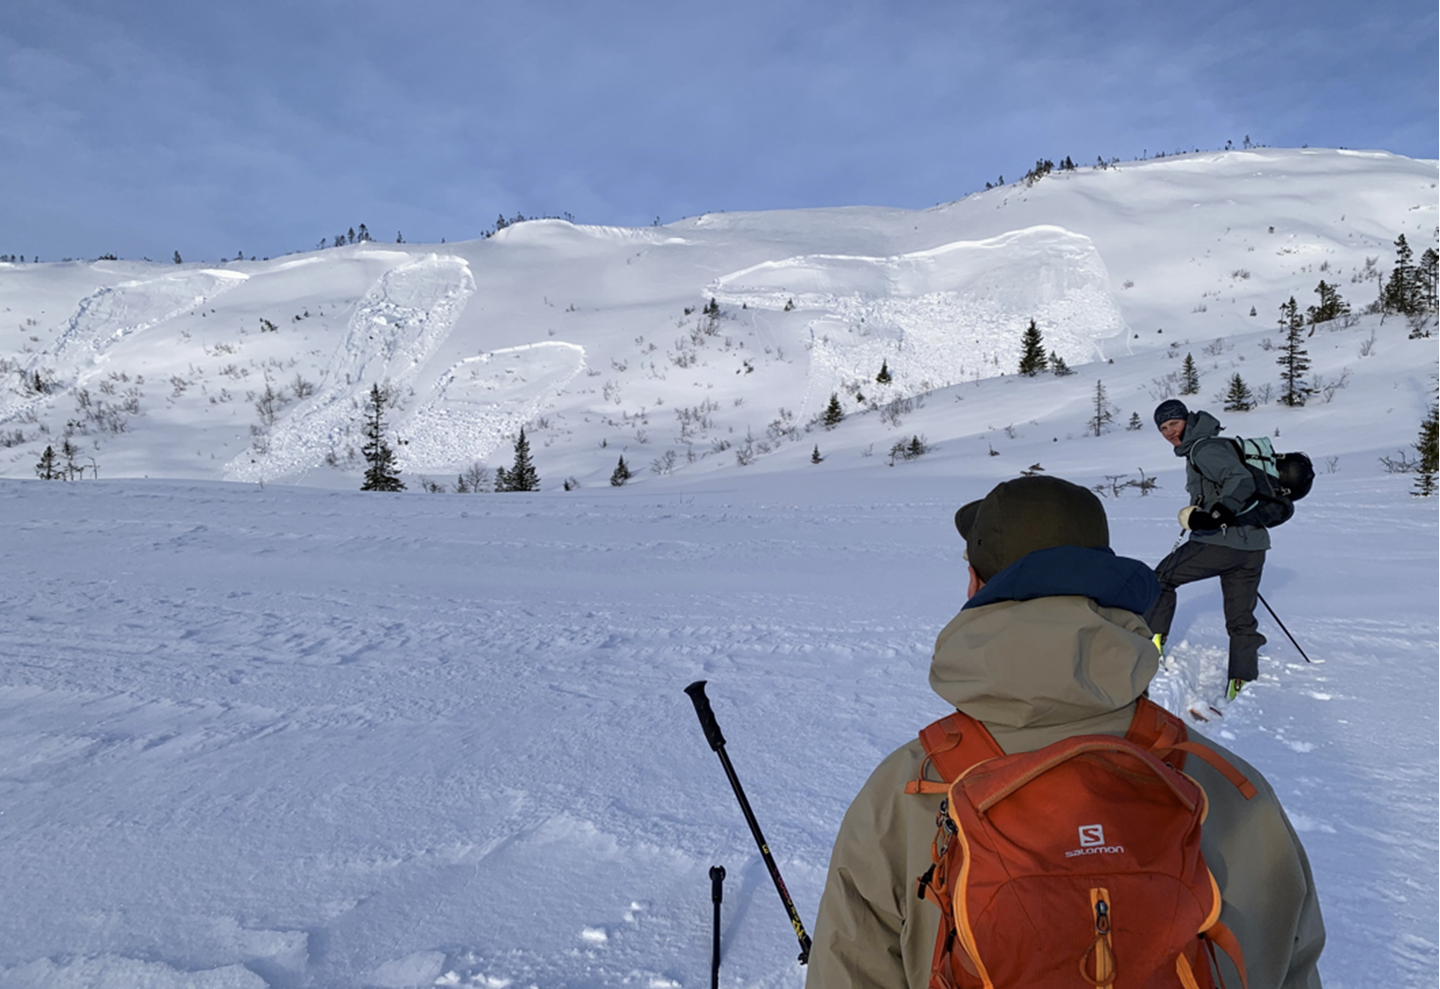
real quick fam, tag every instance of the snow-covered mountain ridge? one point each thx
(595, 338)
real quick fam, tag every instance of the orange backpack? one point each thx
(1078, 865)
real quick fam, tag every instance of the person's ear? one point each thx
(975, 583)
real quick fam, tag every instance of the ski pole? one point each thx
(717, 888)
(1282, 626)
(717, 742)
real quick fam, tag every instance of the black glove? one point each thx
(1198, 520)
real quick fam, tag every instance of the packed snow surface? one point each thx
(301, 738)
(260, 729)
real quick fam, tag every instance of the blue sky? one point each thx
(261, 127)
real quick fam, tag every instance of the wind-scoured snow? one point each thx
(287, 734)
(343, 739)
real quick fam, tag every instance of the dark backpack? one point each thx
(1281, 479)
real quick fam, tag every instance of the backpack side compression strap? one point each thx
(1220, 936)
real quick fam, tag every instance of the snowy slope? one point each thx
(298, 736)
(159, 368)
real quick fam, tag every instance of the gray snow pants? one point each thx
(1239, 573)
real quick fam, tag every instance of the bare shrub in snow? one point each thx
(894, 409)
(1327, 387)
(912, 449)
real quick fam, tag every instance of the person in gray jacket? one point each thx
(1220, 488)
(1050, 645)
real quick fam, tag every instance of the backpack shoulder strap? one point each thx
(957, 741)
(1157, 730)
(952, 745)
(1166, 737)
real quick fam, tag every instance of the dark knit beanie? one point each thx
(1027, 514)
(1171, 408)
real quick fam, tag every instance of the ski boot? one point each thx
(1167, 662)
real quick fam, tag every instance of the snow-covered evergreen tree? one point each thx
(1238, 397)
(1429, 465)
(1401, 293)
(1032, 354)
(1330, 306)
(381, 475)
(47, 469)
(1294, 359)
(1103, 415)
(620, 474)
(833, 412)
(1189, 377)
(521, 476)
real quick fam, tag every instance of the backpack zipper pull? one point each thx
(1102, 917)
(1097, 965)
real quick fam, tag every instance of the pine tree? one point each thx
(1135, 424)
(1032, 355)
(1058, 366)
(1237, 397)
(1294, 360)
(70, 451)
(883, 377)
(521, 476)
(381, 475)
(1189, 377)
(47, 468)
(1331, 306)
(1103, 416)
(1399, 294)
(833, 412)
(1429, 261)
(815, 457)
(620, 474)
(1426, 482)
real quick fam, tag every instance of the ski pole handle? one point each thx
(707, 717)
(717, 883)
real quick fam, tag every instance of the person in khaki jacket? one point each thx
(1050, 645)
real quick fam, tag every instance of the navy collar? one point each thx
(1111, 581)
